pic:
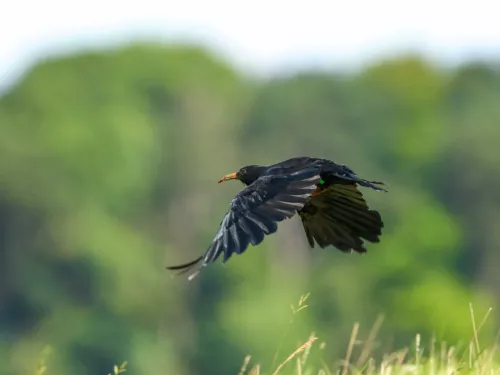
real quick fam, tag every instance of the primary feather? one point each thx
(255, 212)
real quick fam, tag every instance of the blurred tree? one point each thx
(100, 151)
(108, 170)
(466, 176)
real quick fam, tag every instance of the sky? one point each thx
(261, 37)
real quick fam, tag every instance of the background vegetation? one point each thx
(108, 169)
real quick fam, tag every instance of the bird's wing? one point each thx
(255, 212)
(340, 216)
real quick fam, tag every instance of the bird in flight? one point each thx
(324, 194)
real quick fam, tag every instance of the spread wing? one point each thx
(340, 216)
(254, 213)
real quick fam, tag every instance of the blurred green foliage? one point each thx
(108, 170)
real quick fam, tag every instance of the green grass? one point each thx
(442, 361)
(435, 359)
(473, 359)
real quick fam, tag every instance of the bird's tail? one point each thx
(194, 266)
(347, 173)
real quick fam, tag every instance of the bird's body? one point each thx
(324, 195)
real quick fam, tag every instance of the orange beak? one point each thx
(230, 176)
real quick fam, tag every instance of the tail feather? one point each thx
(347, 174)
(365, 183)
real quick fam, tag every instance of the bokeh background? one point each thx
(116, 121)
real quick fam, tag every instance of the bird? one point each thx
(324, 194)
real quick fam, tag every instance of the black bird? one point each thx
(324, 194)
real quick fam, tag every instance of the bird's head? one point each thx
(247, 174)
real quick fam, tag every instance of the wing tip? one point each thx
(186, 267)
